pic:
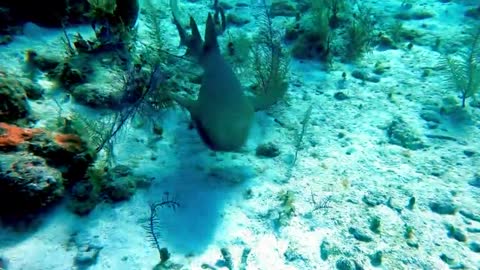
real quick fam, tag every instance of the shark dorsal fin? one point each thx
(210, 35)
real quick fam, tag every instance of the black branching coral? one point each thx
(154, 224)
(127, 113)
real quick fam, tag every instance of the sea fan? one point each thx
(270, 64)
(464, 70)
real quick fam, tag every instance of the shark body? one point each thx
(222, 114)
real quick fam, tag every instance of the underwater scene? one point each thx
(239, 134)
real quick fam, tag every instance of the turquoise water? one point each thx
(269, 135)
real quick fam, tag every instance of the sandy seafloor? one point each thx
(211, 187)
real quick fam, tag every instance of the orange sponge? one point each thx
(12, 136)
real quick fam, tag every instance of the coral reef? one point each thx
(119, 184)
(348, 26)
(84, 197)
(67, 152)
(27, 185)
(59, 12)
(104, 185)
(400, 133)
(13, 99)
(36, 167)
(115, 13)
(13, 14)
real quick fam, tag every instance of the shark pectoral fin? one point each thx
(202, 132)
(176, 20)
(181, 32)
(196, 42)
